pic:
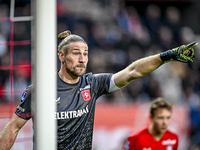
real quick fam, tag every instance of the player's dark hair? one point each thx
(159, 103)
(66, 38)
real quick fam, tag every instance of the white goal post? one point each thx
(44, 73)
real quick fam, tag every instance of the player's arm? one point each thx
(10, 131)
(137, 69)
(141, 67)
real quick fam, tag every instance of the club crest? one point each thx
(86, 94)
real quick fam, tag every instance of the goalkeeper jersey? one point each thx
(75, 109)
(143, 140)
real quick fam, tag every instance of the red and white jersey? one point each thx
(143, 140)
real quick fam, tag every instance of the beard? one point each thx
(76, 72)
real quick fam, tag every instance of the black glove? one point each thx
(184, 53)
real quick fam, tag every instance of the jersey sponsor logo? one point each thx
(169, 142)
(71, 114)
(23, 97)
(86, 94)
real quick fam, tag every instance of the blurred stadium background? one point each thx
(117, 32)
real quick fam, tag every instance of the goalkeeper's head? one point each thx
(73, 54)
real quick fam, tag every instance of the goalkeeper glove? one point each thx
(184, 53)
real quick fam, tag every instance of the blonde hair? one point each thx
(66, 38)
(159, 103)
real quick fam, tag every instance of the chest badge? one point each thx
(86, 94)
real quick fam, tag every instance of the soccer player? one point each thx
(77, 92)
(156, 136)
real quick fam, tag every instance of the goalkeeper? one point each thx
(77, 92)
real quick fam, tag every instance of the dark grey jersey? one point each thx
(75, 110)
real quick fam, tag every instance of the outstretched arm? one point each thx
(141, 67)
(137, 69)
(9, 134)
